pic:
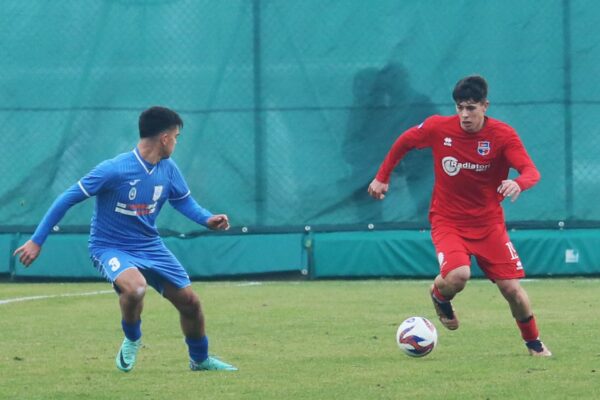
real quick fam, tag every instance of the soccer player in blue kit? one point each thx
(124, 243)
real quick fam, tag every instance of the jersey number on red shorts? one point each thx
(513, 252)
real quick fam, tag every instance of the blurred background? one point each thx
(289, 108)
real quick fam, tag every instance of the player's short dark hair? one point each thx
(156, 120)
(472, 87)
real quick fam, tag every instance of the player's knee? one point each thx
(191, 305)
(140, 290)
(134, 291)
(194, 303)
(131, 284)
(458, 278)
(459, 284)
(510, 292)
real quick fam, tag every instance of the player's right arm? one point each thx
(28, 252)
(378, 189)
(96, 180)
(31, 249)
(415, 137)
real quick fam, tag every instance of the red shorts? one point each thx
(490, 245)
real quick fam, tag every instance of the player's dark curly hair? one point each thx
(472, 87)
(156, 120)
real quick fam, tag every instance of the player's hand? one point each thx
(377, 189)
(28, 252)
(509, 188)
(218, 222)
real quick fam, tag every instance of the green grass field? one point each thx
(301, 340)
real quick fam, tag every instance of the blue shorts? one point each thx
(158, 265)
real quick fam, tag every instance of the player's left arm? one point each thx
(189, 207)
(181, 199)
(517, 158)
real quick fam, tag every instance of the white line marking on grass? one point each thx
(50, 296)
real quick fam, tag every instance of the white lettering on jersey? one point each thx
(135, 209)
(452, 167)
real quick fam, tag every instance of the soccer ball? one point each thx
(416, 336)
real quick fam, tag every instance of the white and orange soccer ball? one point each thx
(416, 336)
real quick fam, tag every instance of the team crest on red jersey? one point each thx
(483, 148)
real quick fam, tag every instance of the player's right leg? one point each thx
(119, 269)
(131, 286)
(443, 291)
(454, 260)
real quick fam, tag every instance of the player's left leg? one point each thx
(520, 308)
(188, 304)
(191, 319)
(500, 262)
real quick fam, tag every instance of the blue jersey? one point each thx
(130, 193)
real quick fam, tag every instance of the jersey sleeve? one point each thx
(59, 208)
(416, 137)
(179, 187)
(100, 178)
(517, 158)
(180, 198)
(191, 209)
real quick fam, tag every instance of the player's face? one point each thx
(169, 140)
(472, 114)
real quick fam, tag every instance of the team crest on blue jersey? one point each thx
(483, 148)
(132, 193)
(157, 192)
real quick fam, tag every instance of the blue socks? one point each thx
(132, 331)
(197, 348)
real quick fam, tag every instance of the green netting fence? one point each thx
(289, 106)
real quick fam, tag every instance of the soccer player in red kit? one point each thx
(472, 155)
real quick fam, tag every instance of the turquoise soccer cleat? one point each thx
(211, 364)
(127, 354)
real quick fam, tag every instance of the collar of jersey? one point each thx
(149, 168)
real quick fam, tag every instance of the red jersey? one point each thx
(468, 167)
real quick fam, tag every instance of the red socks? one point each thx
(528, 328)
(439, 297)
